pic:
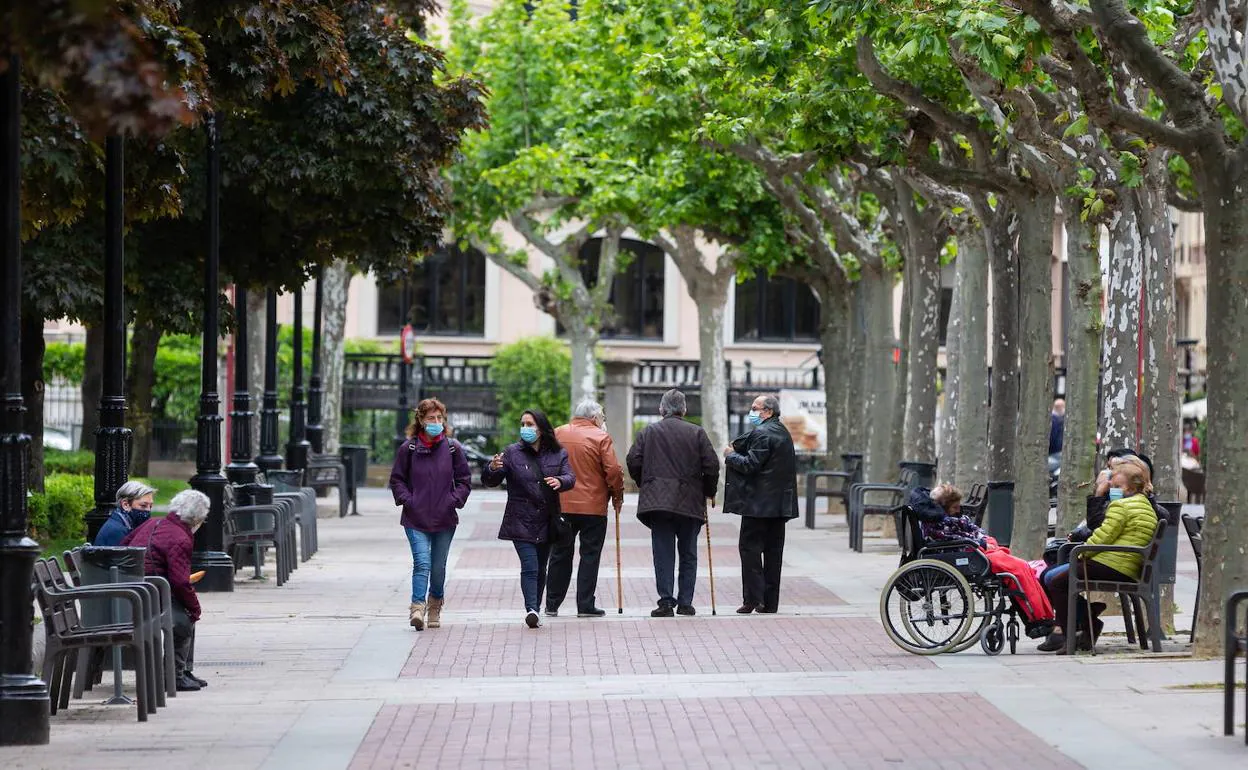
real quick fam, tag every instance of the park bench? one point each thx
(288, 486)
(329, 472)
(1193, 524)
(1146, 591)
(1236, 642)
(90, 668)
(67, 636)
(832, 484)
(877, 500)
(975, 503)
(260, 525)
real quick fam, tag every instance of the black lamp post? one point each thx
(297, 447)
(23, 696)
(315, 429)
(269, 459)
(241, 469)
(209, 554)
(400, 416)
(112, 437)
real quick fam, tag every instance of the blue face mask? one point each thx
(528, 434)
(1115, 494)
(433, 429)
(754, 417)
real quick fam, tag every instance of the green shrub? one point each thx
(79, 462)
(61, 513)
(175, 392)
(64, 360)
(531, 373)
(37, 514)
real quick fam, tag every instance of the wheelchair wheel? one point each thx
(927, 607)
(993, 638)
(1011, 633)
(982, 616)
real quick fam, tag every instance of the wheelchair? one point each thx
(944, 597)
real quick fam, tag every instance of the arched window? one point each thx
(636, 295)
(774, 309)
(447, 297)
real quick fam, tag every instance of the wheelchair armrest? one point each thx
(949, 545)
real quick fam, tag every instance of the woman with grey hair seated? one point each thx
(169, 542)
(134, 506)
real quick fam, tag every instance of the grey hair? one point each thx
(192, 506)
(589, 409)
(133, 490)
(772, 404)
(672, 403)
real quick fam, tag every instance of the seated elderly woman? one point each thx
(1130, 519)
(169, 542)
(134, 506)
(940, 516)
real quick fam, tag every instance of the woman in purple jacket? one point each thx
(431, 480)
(536, 469)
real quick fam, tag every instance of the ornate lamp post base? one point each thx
(217, 565)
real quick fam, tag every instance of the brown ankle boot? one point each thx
(416, 615)
(435, 613)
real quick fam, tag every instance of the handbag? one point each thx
(559, 525)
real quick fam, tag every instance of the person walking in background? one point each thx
(1057, 426)
(599, 479)
(134, 506)
(431, 481)
(169, 542)
(1191, 443)
(674, 465)
(761, 486)
(536, 469)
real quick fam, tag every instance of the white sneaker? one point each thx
(532, 620)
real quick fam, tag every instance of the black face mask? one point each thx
(136, 516)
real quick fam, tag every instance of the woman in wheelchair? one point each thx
(940, 515)
(1130, 519)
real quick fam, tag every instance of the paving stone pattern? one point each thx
(503, 593)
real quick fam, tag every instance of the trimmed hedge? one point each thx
(60, 512)
(78, 462)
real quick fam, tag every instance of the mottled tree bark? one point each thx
(92, 385)
(337, 279)
(971, 295)
(947, 445)
(879, 374)
(1120, 342)
(140, 382)
(1003, 411)
(919, 431)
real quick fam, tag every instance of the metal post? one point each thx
(23, 696)
(400, 418)
(209, 554)
(112, 437)
(114, 608)
(297, 447)
(241, 469)
(269, 459)
(316, 430)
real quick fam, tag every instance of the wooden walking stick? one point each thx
(710, 563)
(619, 568)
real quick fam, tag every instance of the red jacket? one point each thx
(169, 543)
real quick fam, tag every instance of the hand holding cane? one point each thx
(710, 563)
(619, 569)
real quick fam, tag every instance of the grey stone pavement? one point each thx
(325, 673)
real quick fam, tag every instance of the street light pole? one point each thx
(269, 459)
(400, 415)
(112, 437)
(241, 469)
(209, 554)
(23, 696)
(316, 429)
(297, 447)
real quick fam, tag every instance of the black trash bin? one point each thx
(355, 458)
(1001, 511)
(95, 568)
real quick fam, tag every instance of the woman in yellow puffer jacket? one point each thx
(1129, 520)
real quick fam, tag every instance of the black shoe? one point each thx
(686, 609)
(552, 613)
(1054, 643)
(1039, 629)
(1097, 609)
(766, 610)
(662, 611)
(745, 609)
(198, 681)
(187, 684)
(592, 612)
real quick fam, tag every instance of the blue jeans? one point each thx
(671, 535)
(429, 552)
(533, 558)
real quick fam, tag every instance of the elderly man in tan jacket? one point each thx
(599, 478)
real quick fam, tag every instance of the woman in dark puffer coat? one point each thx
(536, 470)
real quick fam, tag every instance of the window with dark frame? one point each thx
(637, 293)
(446, 298)
(775, 309)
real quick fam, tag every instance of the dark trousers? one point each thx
(533, 558)
(593, 533)
(673, 535)
(762, 551)
(1057, 585)
(183, 640)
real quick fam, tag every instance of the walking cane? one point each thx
(710, 563)
(619, 568)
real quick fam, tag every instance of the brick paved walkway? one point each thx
(325, 673)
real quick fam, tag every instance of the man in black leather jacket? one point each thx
(761, 474)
